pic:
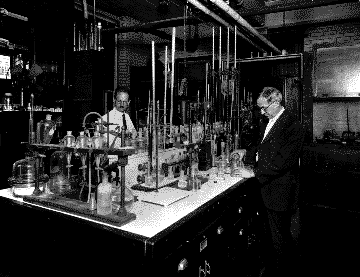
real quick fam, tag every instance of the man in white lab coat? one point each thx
(118, 115)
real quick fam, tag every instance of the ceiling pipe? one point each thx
(172, 22)
(223, 22)
(284, 6)
(230, 11)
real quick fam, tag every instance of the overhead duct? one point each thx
(230, 11)
(223, 22)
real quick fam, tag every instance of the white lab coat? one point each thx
(117, 117)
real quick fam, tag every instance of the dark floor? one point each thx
(329, 242)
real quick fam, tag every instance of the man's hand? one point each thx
(246, 173)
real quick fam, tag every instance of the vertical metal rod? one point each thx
(31, 120)
(220, 49)
(226, 95)
(94, 15)
(122, 187)
(89, 192)
(213, 65)
(206, 98)
(190, 141)
(165, 93)
(153, 92)
(220, 76)
(213, 76)
(236, 85)
(115, 60)
(148, 112)
(122, 175)
(235, 46)
(157, 145)
(172, 76)
(228, 49)
(107, 119)
(213, 50)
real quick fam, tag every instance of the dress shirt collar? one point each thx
(116, 111)
(276, 116)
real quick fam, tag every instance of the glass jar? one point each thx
(23, 176)
(97, 140)
(81, 140)
(69, 139)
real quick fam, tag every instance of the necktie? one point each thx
(124, 121)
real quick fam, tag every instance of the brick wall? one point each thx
(128, 51)
(128, 56)
(333, 115)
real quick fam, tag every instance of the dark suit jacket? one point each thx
(277, 169)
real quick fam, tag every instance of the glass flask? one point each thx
(69, 139)
(116, 198)
(81, 140)
(60, 177)
(45, 130)
(97, 140)
(23, 176)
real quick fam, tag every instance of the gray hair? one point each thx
(271, 94)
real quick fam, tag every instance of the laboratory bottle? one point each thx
(81, 140)
(69, 139)
(97, 140)
(104, 192)
(45, 130)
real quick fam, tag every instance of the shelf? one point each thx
(125, 151)
(271, 58)
(43, 111)
(336, 99)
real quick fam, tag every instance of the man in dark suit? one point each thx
(277, 171)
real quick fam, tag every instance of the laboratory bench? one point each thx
(210, 232)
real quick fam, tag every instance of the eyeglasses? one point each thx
(264, 109)
(121, 102)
